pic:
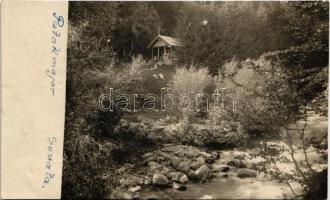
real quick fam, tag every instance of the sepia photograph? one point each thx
(196, 100)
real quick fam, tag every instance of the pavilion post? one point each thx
(152, 53)
(171, 52)
(158, 54)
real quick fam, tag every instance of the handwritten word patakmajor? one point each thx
(58, 23)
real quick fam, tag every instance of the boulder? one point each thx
(116, 194)
(178, 186)
(154, 165)
(170, 175)
(160, 158)
(147, 155)
(132, 181)
(165, 155)
(202, 173)
(177, 176)
(160, 179)
(192, 175)
(128, 195)
(193, 153)
(131, 195)
(246, 173)
(165, 170)
(135, 189)
(237, 163)
(195, 165)
(175, 161)
(184, 179)
(147, 181)
(200, 160)
(184, 166)
(180, 153)
(207, 155)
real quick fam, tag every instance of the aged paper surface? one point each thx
(33, 62)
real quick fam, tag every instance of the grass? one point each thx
(153, 80)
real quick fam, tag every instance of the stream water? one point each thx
(233, 187)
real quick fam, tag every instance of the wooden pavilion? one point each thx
(166, 47)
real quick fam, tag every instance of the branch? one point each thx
(302, 136)
(285, 180)
(292, 155)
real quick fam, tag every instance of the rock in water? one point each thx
(224, 169)
(159, 179)
(192, 175)
(178, 186)
(203, 172)
(184, 179)
(130, 195)
(215, 155)
(237, 163)
(135, 189)
(246, 173)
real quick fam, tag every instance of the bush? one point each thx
(265, 101)
(187, 83)
(136, 67)
(222, 135)
(84, 168)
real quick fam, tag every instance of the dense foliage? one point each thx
(215, 32)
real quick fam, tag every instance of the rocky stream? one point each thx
(186, 172)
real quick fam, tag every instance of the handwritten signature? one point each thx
(49, 171)
(58, 23)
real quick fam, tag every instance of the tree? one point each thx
(136, 26)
